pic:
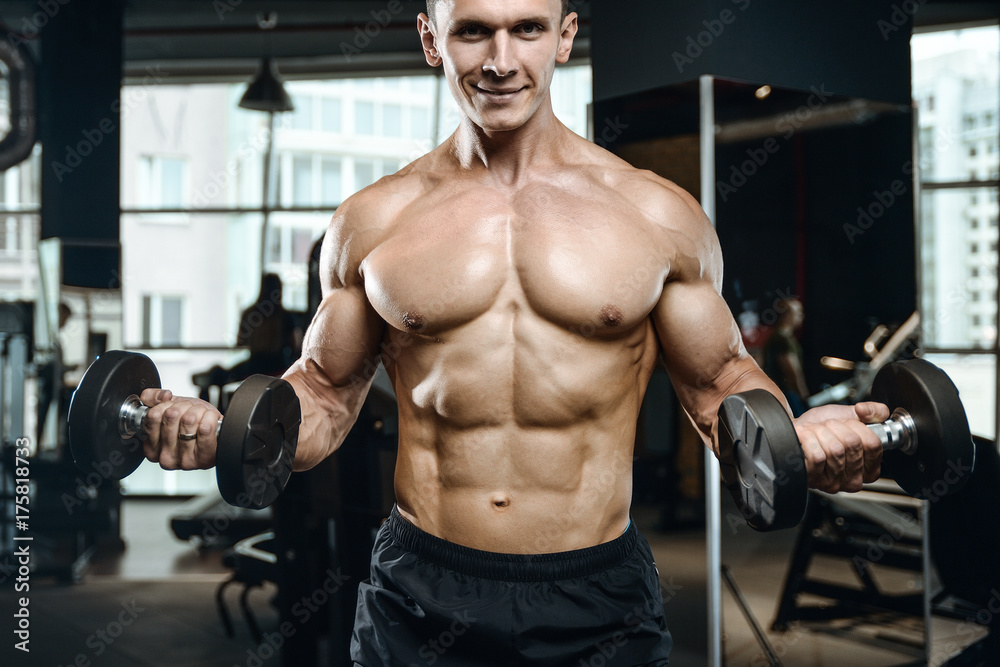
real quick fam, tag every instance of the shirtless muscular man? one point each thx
(519, 284)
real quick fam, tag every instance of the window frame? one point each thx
(977, 181)
(152, 326)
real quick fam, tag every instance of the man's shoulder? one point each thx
(663, 202)
(675, 222)
(381, 204)
(365, 218)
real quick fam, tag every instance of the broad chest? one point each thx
(578, 264)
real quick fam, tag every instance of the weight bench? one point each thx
(210, 522)
(859, 532)
(253, 563)
(964, 542)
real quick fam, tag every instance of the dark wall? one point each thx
(79, 129)
(793, 227)
(828, 219)
(857, 48)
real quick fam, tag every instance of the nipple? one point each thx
(413, 321)
(611, 316)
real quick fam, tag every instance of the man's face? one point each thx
(498, 57)
(796, 314)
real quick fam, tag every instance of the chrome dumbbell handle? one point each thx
(898, 432)
(133, 414)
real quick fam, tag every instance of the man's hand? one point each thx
(841, 453)
(170, 416)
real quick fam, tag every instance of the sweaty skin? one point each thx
(519, 284)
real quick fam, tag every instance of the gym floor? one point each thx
(177, 583)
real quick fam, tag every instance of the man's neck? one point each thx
(511, 154)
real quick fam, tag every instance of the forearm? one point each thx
(329, 411)
(701, 402)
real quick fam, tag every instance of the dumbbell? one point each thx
(928, 448)
(256, 439)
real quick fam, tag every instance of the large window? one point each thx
(19, 229)
(957, 90)
(163, 181)
(162, 320)
(309, 179)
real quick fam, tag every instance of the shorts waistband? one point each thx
(511, 567)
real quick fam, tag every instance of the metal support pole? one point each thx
(925, 516)
(17, 355)
(4, 383)
(713, 500)
(266, 200)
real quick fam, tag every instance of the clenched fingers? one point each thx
(840, 454)
(180, 432)
(872, 413)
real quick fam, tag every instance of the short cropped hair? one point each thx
(432, 4)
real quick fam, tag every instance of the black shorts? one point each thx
(432, 602)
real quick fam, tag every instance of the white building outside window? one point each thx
(957, 86)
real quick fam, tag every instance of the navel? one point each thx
(500, 501)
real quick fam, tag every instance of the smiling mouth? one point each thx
(499, 94)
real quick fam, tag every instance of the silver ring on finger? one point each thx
(187, 436)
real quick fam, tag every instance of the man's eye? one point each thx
(471, 31)
(531, 28)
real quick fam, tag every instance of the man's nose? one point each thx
(501, 61)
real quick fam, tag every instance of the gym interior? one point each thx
(168, 169)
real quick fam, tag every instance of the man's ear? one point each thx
(570, 26)
(428, 40)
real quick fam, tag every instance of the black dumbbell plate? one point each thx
(95, 408)
(257, 442)
(761, 460)
(945, 453)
